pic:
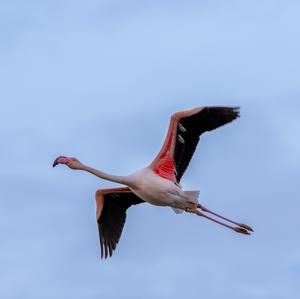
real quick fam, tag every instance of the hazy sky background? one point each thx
(98, 80)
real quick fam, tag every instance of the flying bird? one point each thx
(159, 182)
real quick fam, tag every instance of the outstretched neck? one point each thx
(113, 178)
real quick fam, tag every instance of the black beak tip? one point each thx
(54, 163)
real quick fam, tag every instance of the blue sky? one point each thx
(98, 80)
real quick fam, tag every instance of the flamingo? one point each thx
(159, 182)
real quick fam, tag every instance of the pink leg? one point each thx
(236, 229)
(222, 217)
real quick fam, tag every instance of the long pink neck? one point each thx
(113, 178)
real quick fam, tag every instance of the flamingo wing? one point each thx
(183, 136)
(111, 207)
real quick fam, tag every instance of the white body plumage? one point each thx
(159, 191)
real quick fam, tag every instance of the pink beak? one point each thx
(60, 160)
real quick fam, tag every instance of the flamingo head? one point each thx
(71, 162)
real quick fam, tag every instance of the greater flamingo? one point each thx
(158, 183)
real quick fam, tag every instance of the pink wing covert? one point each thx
(164, 164)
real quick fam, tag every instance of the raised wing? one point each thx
(183, 136)
(111, 207)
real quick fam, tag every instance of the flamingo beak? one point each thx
(57, 161)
